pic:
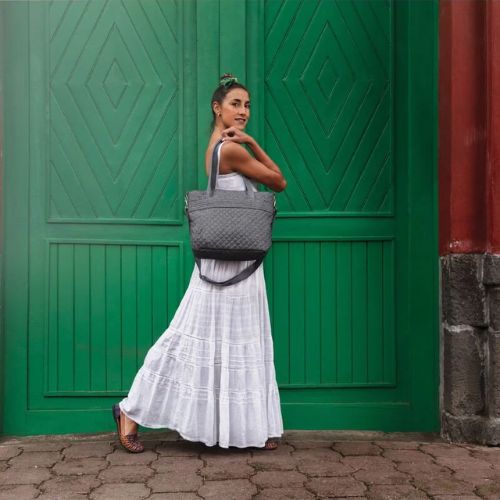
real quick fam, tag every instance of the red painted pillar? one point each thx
(493, 125)
(469, 128)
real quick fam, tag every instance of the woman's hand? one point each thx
(235, 135)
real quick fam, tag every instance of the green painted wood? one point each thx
(114, 132)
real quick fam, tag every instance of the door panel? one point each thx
(97, 161)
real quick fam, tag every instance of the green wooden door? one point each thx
(107, 106)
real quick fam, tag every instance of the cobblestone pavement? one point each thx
(307, 465)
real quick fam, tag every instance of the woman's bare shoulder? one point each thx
(230, 151)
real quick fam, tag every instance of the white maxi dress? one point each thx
(210, 376)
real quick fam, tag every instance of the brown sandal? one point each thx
(130, 442)
(271, 444)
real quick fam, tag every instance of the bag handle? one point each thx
(214, 172)
(245, 273)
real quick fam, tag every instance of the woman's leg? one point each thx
(128, 426)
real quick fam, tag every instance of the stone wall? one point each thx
(470, 405)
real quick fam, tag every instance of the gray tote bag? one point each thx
(229, 225)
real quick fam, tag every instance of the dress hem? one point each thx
(197, 440)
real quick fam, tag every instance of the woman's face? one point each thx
(235, 109)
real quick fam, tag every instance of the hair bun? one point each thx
(227, 79)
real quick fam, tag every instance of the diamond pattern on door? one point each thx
(114, 112)
(328, 99)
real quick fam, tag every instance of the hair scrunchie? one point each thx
(228, 80)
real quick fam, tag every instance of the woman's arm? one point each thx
(261, 168)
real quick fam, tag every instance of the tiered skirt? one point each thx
(210, 375)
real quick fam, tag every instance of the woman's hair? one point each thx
(227, 82)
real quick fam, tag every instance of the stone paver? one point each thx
(166, 482)
(69, 484)
(397, 445)
(407, 456)
(357, 448)
(24, 476)
(174, 496)
(128, 491)
(272, 462)
(75, 466)
(324, 468)
(307, 444)
(456, 497)
(181, 449)
(316, 454)
(441, 485)
(123, 457)
(336, 486)
(269, 479)
(7, 452)
(307, 465)
(395, 492)
(489, 491)
(177, 464)
(295, 493)
(231, 489)
(36, 458)
(15, 492)
(445, 450)
(227, 470)
(84, 450)
(368, 462)
(381, 476)
(126, 474)
(45, 446)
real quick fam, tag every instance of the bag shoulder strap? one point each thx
(214, 172)
(245, 273)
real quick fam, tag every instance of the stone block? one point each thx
(471, 429)
(494, 307)
(491, 274)
(494, 374)
(463, 292)
(463, 372)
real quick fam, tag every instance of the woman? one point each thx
(210, 376)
